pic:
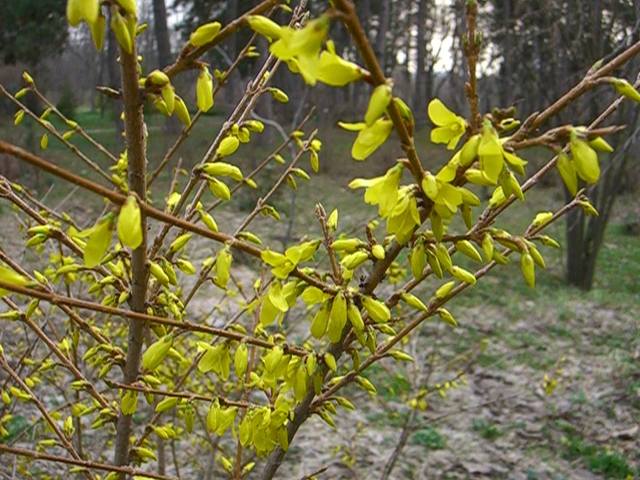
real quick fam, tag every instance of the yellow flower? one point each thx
(335, 70)
(441, 192)
(381, 191)
(301, 48)
(491, 153)
(449, 127)
(79, 10)
(404, 216)
(370, 138)
(585, 159)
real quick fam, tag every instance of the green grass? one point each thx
(486, 429)
(389, 385)
(430, 438)
(14, 427)
(598, 459)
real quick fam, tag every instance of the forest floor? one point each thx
(497, 422)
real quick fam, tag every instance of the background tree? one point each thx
(31, 30)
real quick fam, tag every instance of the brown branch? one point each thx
(58, 353)
(142, 317)
(350, 18)
(78, 128)
(187, 130)
(186, 395)
(432, 309)
(328, 240)
(471, 51)
(49, 128)
(189, 55)
(587, 83)
(135, 134)
(23, 452)
(118, 199)
(65, 442)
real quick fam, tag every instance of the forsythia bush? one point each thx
(127, 343)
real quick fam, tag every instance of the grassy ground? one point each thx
(499, 423)
(588, 341)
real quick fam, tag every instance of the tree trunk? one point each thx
(421, 50)
(163, 45)
(381, 37)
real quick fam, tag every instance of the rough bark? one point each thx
(135, 134)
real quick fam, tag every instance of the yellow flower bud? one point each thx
(130, 224)
(585, 160)
(445, 289)
(378, 251)
(353, 313)
(208, 220)
(158, 273)
(467, 248)
(219, 189)
(278, 95)
(129, 6)
(337, 317)
(463, 275)
(166, 404)
(567, 170)
(601, 145)
(376, 309)
(320, 322)
(121, 31)
(158, 77)
(204, 90)
(446, 316)
(487, 247)
(469, 151)
(227, 147)
(347, 244)
(156, 353)
(241, 359)
(354, 260)
(413, 301)
(129, 403)
(221, 169)
(264, 26)
(98, 31)
(528, 269)
(624, 88)
(180, 242)
(182, 111)
(18, 117)
(204, 34)
(330, 361)
(27, 78)
(98, 242)
(223, 267)
(378, 103)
